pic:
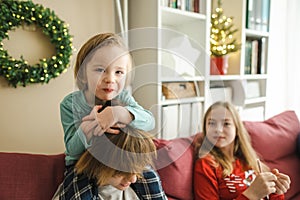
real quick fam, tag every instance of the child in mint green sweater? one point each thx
(101, 71)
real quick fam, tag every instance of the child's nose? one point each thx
(132, 179)
(220, 128)
(108, 77)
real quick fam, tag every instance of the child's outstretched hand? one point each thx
(282, 183)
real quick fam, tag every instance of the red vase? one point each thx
(219, 65)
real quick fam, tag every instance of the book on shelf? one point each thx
(184, 121)
(257, 15)
(250, 16)
(262, 56)
(265, 8)
(181, 120)
(196, 113)
(255, 56)
(197, 6)
(247, 68)
(170, 121)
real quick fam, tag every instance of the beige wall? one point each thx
(29, 117)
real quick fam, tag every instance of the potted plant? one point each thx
(222, 41)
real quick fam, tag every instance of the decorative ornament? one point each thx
(221, 33)
(18, 72)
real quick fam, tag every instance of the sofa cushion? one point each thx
(275, 139)
(30, 176)
(175, 166)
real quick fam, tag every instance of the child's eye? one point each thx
(120, 72)
(227, 123)
(99, 69)
(211, 123)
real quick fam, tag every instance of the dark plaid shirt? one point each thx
(80, 187)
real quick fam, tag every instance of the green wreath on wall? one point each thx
(19, 72)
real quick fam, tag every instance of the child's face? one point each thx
(122, 182)
(220, 128)
(106, 73)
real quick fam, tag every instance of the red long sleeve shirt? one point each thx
(209, 183)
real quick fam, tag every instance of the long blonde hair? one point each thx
(124, 154)
(243, 149)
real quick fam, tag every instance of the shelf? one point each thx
(224, 77)
(176, 17)
(255, 76)
(181, 101)
(255, 33)
(182, 79)
(255, 100)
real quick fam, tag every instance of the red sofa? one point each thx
(36, 177)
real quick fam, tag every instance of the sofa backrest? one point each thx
(36, 177)
(30, 176)
(274, 139)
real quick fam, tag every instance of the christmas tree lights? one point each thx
(222, 41)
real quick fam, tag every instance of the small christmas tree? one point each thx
(221, 34)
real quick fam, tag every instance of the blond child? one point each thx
(228, 166)
(102, 71)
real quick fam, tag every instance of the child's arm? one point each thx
(74, 138)
(142, 118)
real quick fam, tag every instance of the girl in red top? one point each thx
(228, 166)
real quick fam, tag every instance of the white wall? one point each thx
(283, 69)
(29, 117)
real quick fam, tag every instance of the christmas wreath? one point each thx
(18, 71)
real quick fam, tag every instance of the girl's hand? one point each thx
(263, 185)
(106, 121)
(89, 123)
(283, 182)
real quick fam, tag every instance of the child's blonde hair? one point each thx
(243, 149)
(88, 49)
(124, 154)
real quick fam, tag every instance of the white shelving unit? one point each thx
(253, 86)
(172, 45)
(169, 46)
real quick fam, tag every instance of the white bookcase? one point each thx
(171, 46)
(249, 90)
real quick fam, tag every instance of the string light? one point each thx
(222, 41)
(17, 71)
